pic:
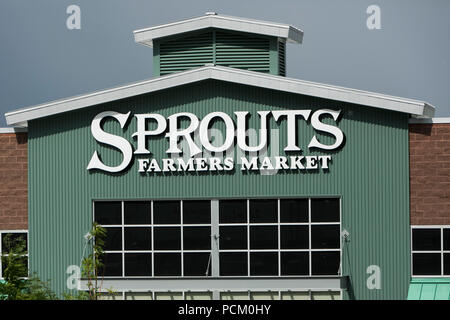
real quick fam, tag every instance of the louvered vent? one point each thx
(282, 58)
(220, 48)
(186, 53)
(238, 51)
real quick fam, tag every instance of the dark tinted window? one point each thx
(233, 211)
(233, 264)
(138, 238)
(196, 264)
(446, 239)
(325, 210)
(138, 264)
(294, 263)
(197, 238)
(113, 240)
(425, 264)
(325, 263)
(447, 264)
(263, 211)
(263, 263)
(138, 212)
(112, 264)
(294, 210)
(263, 237)
(294, 237)
(233, 237)
(166, 212)
(108, 212)
(167, 238)
(167, 264)
(14, 241)
(23, 261)
(426, 239)
(196, 212)
(325, 236)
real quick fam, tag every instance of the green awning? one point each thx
(429, 289)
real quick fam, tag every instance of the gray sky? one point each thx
(42, 60)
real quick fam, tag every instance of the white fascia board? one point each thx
(290, 33)
(13, 130)
(251, 78)
(413, 107)
(23, 115)
(429, 120)
(222, 284)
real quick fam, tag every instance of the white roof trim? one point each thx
(13, 130)
(429, 120)
(290, 33)
(245, 77)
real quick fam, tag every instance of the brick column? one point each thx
(429, 151)
(13, 181)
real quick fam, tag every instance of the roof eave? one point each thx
(245, 77)
(286, 32)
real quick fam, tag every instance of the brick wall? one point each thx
(13, 181)
(429, 151)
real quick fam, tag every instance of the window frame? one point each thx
(181, 251)
(215, 225)
(1, 249)
(441, 252)
(278, 225)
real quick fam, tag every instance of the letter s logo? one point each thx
(120, 143)
(332, 130)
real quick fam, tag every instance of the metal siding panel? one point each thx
(414, 291)
(245, 52)
(428, 291)
(219, 47)
(370, 173)
(442, 292)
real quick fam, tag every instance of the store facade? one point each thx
(222, 179)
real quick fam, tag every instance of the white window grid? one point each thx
(151, 226)
(181, 251)
(441, 251)
(3, 232)
(278, 224)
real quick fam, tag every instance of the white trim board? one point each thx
(251, 78)
(223, 283)
(13, 130)
(213, 20)
(429, 120)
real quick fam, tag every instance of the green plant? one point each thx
(16, 285)
(79, 295)
(92, 265)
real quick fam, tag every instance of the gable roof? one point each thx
(252, 78)
(213, 20)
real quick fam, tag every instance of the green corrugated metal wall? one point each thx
(371, 174)
(219, 47)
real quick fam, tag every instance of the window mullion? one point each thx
(248, 237)
(309, 236)
(152, 229)
(215, 238)
(123, 240)
(279, 239)
(181, 239)
(442, 251)
(1, 254)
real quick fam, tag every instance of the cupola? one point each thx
(220, 40)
